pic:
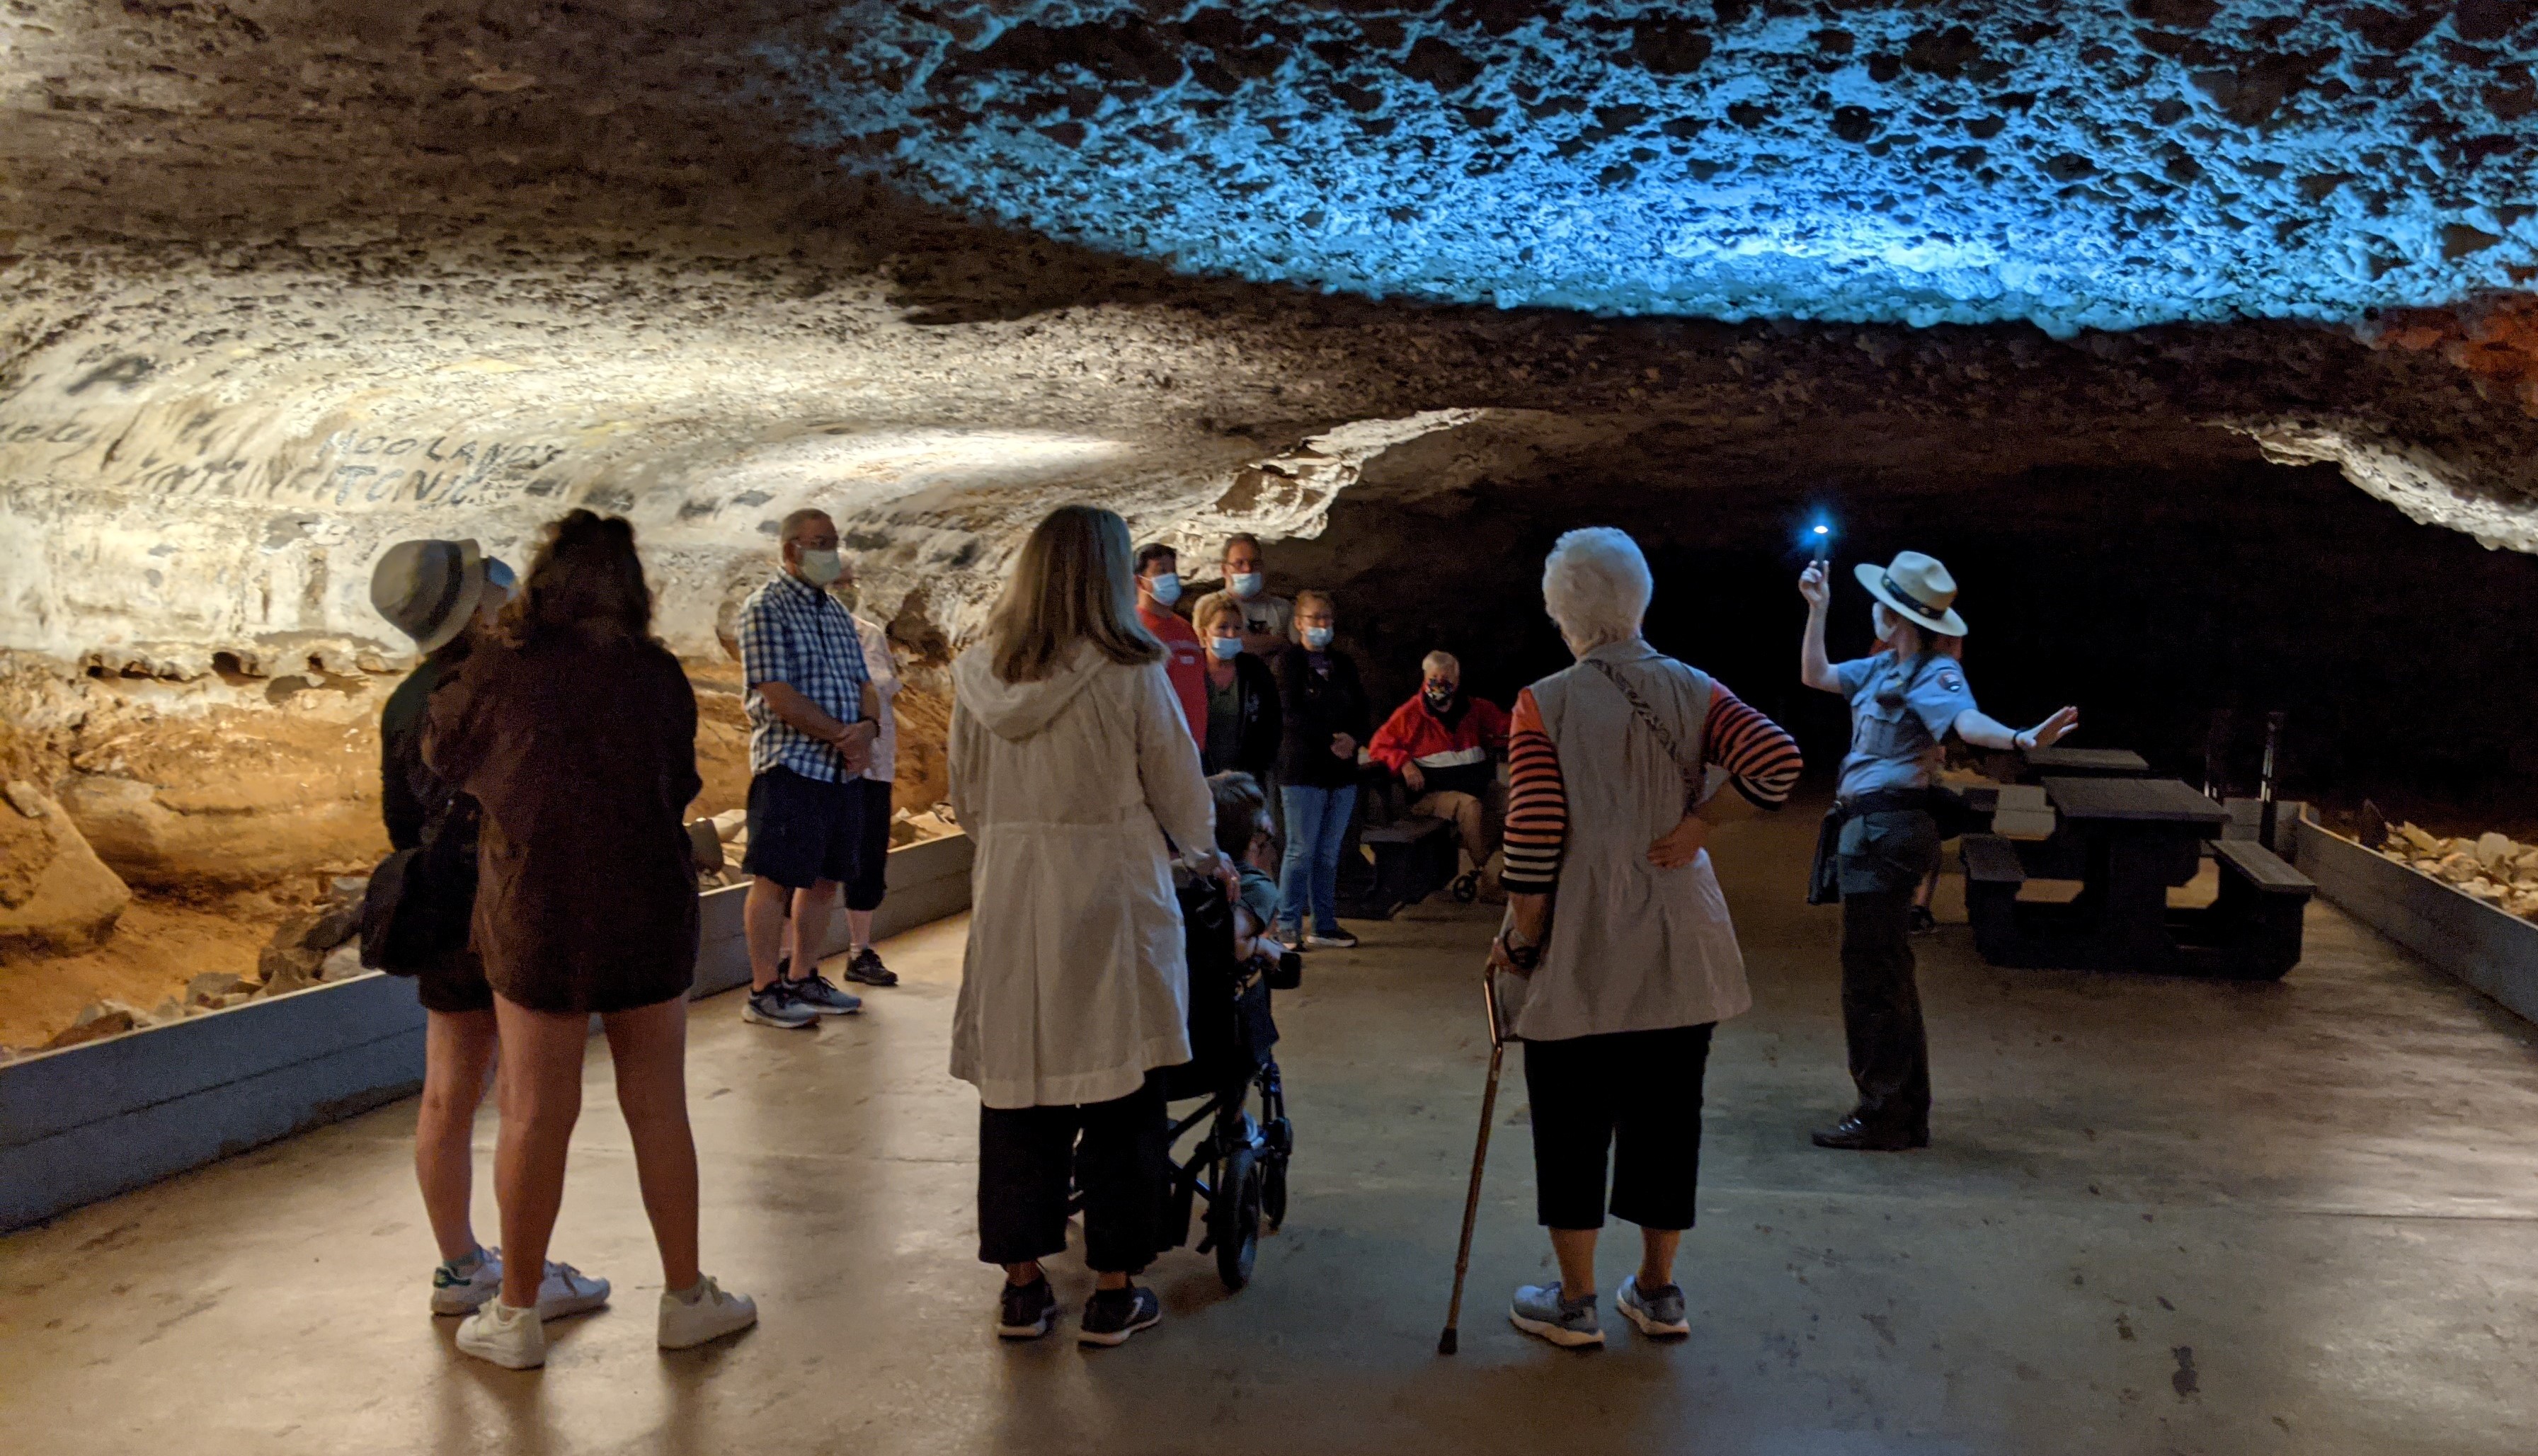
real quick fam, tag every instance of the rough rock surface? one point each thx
(56, 896)
(2075, 164)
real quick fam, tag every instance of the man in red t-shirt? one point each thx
(1159, 585)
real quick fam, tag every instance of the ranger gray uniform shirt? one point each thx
(1899, 714)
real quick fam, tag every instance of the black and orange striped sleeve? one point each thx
(1761, 758)
(1537, 819)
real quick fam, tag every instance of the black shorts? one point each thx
(455, 984)
(1630, 1100)
(803, 830)
(872, 853)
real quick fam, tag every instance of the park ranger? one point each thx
(1880, 837)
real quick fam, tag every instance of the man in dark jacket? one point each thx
(1445, 747)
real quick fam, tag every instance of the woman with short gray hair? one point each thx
(1618, 957)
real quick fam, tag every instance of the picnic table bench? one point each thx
(2128, 840)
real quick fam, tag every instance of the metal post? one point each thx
(2265, 783)
(2216, 758)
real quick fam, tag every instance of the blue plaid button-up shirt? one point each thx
(795, 634)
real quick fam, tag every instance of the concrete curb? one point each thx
(87, 1122)
(2491, 950)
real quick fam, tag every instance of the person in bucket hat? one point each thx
(1881, 838)
(445, 595)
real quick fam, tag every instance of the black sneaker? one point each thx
(1110, 1316)
(866, 970)
(1027, 1311)
(775, 1006)
(1923, 922)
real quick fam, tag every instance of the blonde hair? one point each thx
(1217, 609)
(1071, 583)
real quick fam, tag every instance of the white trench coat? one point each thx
(1076, 983)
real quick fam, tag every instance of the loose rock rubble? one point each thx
(2493, 867)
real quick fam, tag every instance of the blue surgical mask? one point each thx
(1167, 588)
(1317, 637)
(1245, 584)
(1225, 648)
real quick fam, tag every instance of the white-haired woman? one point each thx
(1072, 766)
(1618, 957)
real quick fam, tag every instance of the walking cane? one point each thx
(1446, 1343)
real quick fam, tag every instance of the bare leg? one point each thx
(1656, 1256)
(811, 910)
(1575, 1250)
(457, 1051)
(762, 915)
(649, 1045)
(1019, 1274)
(541, 1095)
(860, 923)
(1471, 817)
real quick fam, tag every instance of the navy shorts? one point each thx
(803, 830)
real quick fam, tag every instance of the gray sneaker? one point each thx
(775, 1006)
(1570, 1323)
(822, 995)
(1657, 1311)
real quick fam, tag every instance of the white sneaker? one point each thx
(710, 1315)
(566, 1290)
(510, 1337)
(452, 1293)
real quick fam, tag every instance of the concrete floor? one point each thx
(2159, 1216)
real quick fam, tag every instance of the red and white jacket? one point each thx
(1413, 735)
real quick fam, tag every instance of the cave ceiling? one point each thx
(282, 282)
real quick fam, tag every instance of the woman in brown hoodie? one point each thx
(574, 729)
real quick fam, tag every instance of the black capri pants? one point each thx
(1636, 1095)
(1028, 1159)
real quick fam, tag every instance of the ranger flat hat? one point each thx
(1917, 587)
(428, 590)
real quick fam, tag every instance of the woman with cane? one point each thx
(1618, 958)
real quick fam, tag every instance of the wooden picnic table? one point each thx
(2128, 841)
(2062, 763)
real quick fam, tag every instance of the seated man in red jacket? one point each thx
(1445, 748)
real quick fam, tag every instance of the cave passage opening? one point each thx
(2150, 595)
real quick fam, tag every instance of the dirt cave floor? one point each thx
(228, 804)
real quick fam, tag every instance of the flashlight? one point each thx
(1820, 536)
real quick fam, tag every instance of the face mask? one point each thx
(1225, 648)
(1167, 588)
(1245, 584)
(820, 567)
(1317, 637)
(1442, 698)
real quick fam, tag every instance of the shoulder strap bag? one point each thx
(1694, 777)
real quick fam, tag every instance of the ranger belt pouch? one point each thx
(1824, 876)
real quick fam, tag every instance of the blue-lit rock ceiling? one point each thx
(2090, 165)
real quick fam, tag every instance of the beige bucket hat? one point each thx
(428, 590)
(1917, 587)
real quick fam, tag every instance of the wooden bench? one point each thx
(2252, 931)
(1412, 857)
(1994, 876)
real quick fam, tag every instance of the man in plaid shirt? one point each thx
(811, 737)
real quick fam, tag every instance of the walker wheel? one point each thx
(1273, 1191)
(1233, 1217)
(1467, 888)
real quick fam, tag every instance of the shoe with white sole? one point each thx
(1110, 1316)
(823, 997)
(1331, 939)
(508, 1336)
(1539, 1309)
(566, 1292)
(459, 1288)
(1026, 1311)
(1657, 1310)
(704, 1313)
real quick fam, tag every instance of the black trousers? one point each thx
(1029, 1159)
(1633, 1095)
(1880, 1011)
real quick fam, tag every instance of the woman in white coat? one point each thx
(1076, 777)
